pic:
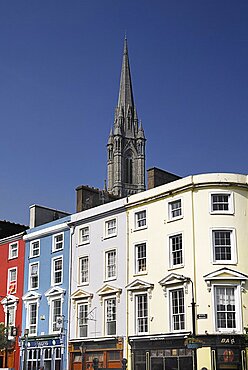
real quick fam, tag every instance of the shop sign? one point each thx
(44, 343)
(202, 316)
(229, 340)
(193, 343)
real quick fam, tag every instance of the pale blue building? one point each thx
(45, 297)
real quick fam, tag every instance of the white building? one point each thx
(98, 280)
(188, 243)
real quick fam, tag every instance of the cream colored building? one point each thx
(187, 274)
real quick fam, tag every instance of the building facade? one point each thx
(187, 280)
(45, 298)
(126, 143)
(12, 251)
(98, 279)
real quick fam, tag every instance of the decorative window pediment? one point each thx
(10, 299)
(172, 280)
(225, 274)
(31, 296)
(139, 285)
(81, 294)
(109, 290)
(54, 292)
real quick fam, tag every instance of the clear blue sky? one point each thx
(60, 66)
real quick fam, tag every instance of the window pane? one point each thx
(111, 316)
(111, 264)
(176, 250)
(175, 208)
(222, 245)
(177, 309)
(140, 219)
(56, 304)
(142, 313)
(58, 271)
(84, 234)
(220, 202)
(225, 307)
(84, 270)
(140, 257)
(83, 320)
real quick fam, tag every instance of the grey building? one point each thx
(126, 143)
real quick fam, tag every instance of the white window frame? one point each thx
(86, 236)
(138, 222)
(137, 317)
(108, 267)
(137, 270)
(80, 258)
(9, 307)
(171, 321)
(29, 275)
(230, 210)
(55, 243)
(31, 254)
(85, 318)
(113, 314)
(233, 259)
(107, 228)
(51, 316)
(11, 245)
(28, 318)
(53, 271)
(170, 237)
(237, 297)
(170, 210)
(12, 281)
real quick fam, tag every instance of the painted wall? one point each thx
(95, 249)
(195, 225)
(16, 297)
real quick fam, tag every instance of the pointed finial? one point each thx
(125, 45)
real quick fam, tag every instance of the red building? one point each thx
(12, 250)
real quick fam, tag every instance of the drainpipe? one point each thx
(127, 282)
(194, 299)
(68, 356)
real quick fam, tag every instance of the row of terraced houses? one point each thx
(157, 277)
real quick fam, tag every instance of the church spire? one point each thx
(126, 143)
(125, 92)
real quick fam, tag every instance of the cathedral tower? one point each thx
(126, 143)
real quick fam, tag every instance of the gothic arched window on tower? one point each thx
(129, 170)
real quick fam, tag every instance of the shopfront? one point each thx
(158, 353)
(227, 351)
(47, 353)
(109, 354)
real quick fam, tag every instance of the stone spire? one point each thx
(125, 91)
(126, 143)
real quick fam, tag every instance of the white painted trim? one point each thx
(29, 276)
(135, 259)
(108, 236)
(10, 244)
(31, 248)
(46, 231)
(230, 202)
(53, 271)
(105, 278)
(53, 242)
(135, 227)
(238, 310)
(16, 269)
(169, 215)
(171, 266)
(233, 260)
